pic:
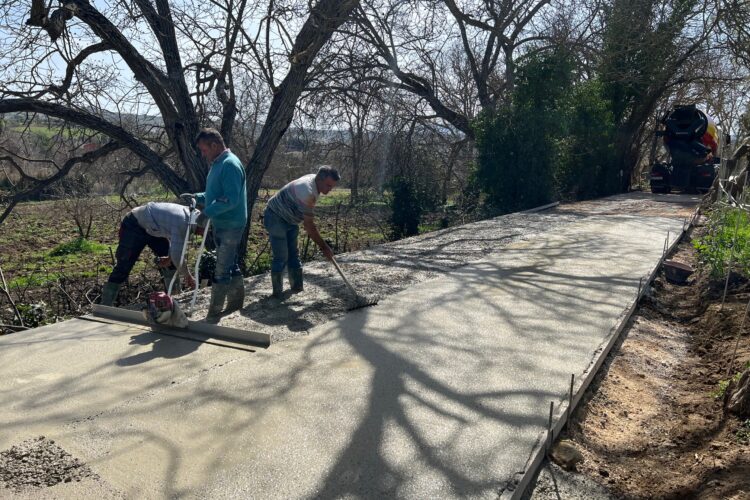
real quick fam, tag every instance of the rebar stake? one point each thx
(549, 425)
(570, 396)
(737, 341)
(726, 282)
(640, 287)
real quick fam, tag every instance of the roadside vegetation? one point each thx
(727, 242)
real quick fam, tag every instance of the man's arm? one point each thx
(308, 223)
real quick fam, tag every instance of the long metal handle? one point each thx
(336, 265)
(182, 255)
(184, 247)
(198, 266)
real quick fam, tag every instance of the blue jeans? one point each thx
(133, 239)
(227, 250)
(283, 238)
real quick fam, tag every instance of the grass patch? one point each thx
(259, 265)
(721, 390)
(33, 280)
(333, 198)
(428, 228)
(728, 233)
(79, 245)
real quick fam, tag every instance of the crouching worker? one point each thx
(225, 203)
(293, 204)
(160, 226)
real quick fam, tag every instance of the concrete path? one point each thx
(442, 390)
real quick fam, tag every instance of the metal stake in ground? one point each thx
(731, 258)
(549, 425)
(570, 396)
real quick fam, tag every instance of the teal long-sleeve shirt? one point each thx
(225, 198)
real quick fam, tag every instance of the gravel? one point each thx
(376, 272)
(554, 483)
(39, 462)
(387, 269)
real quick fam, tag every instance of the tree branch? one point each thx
(40, 184)
(118, 134)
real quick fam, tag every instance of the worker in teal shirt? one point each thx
(225, 203)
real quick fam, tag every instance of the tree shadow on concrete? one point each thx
(163, 346)
(404, 357)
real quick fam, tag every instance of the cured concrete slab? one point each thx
(442, 390)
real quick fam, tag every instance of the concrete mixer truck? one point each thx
(692, 140)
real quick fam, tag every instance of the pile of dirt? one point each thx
(39, 462)
(653, 425)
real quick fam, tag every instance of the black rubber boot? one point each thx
(218, 297)
(109, 293)
(295, 280)
(277, 281)
(236, 294)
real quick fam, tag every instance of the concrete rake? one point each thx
(359, 300)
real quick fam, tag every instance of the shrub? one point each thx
(743, 433)
(79, 245)
(555, 138)
(716, 247)
(406, 208)
(723, 385)
(515, 160)
(585, 162)
(33, 314)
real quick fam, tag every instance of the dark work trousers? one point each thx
(133, 239)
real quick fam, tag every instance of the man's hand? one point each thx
(188, 198)
(164, 262)
(327, 251)
(189, 281)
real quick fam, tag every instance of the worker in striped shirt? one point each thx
(292, 205)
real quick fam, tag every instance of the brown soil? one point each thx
(652, 425)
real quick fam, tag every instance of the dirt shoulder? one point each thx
(652, 424)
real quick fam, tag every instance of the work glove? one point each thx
(188, 198)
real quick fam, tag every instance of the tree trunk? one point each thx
(325, 17)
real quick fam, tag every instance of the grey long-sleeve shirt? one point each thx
(166, 220)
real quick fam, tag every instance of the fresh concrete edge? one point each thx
(540, 450)
(539, 209)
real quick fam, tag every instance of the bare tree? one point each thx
(473, 47)
(325, 18)
(149, 40)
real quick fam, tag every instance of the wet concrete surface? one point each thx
(441, 390)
